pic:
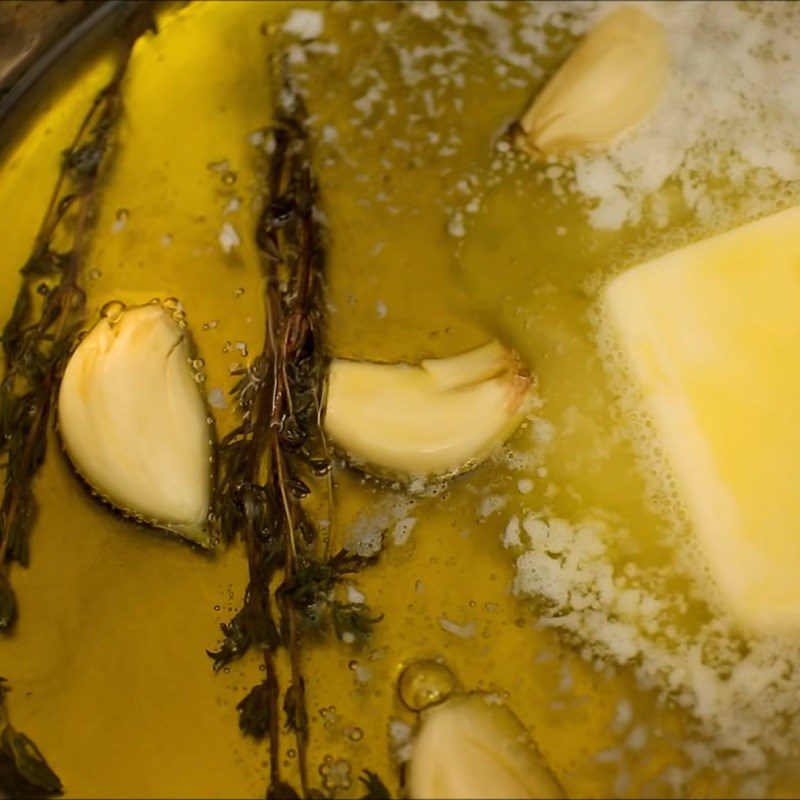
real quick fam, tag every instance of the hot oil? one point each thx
(108, 661)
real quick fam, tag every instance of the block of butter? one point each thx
(712, 335)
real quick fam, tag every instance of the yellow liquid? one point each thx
(108, 665)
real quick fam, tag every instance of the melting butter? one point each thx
(711, 333)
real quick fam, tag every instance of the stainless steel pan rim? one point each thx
(95, 24)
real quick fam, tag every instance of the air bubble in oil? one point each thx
(354, 734)
(425, 683)
(173, 304)
(335, 774)
(329, 716)
(113, 310)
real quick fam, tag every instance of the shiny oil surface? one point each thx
(108, 661)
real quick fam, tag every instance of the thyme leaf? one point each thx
(374, 787)
(24, 771)
(294, 706)
(352, 619)
(278, 790)
(8, 602)
(236, 642)
(309, 591)
(255, 711)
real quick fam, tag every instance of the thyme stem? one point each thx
(269, 460)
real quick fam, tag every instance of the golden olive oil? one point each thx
(108, 660)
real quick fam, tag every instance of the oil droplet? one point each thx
(113, 310)
(320, 467)
(172, 304)
(229, 178)
(354, 734)
(120, 220)
(198, 363)
(425, 683)
(220, 166)
(329, 716)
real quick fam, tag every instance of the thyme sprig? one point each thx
(271, 461)
(36, 341)
(47, 313)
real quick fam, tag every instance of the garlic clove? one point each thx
(133, 421)
(483, 363)
(475, 747)
(611, 82)
(437, 418)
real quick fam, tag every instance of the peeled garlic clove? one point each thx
(611, 82)
(474, 747)
(436, 418)
(133, 422)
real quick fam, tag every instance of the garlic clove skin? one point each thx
(611, 82)
(134, 424)
(474, 747)
(437, 418)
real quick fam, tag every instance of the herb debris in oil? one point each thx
(269, 463)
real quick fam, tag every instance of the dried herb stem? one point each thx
(269, 463)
